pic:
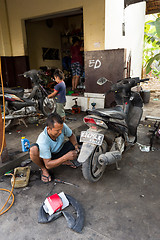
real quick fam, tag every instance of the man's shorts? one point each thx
(68, 146)
(76, 69)
(60, 109)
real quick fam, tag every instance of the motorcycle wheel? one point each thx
(48, 106)
(91, 169)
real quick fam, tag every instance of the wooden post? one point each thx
(3, 148)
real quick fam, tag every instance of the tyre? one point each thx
(48, 106)
(91, 169)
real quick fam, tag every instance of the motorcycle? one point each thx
(17, 106)
(111, 130)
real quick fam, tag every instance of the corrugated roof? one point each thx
(129, 2)
(153, 6)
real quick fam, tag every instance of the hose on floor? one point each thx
(2, 211)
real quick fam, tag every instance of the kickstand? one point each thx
(117, 167)
(23, 121)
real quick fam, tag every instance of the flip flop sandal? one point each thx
(47, 177)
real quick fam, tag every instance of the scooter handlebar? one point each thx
(127, 84)
(144, 80)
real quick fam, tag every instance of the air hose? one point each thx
(11, 194)
(3, 109)
(2, 189)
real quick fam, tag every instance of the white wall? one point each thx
(114, 11)
(85, 102)
(134, 18)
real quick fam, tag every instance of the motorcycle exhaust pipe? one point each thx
(110, 158)
(10, 117)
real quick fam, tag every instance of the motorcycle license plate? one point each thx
(91, 137)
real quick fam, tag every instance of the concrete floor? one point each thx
(123, 205)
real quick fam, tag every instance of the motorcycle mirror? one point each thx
(102, 81)
(24, 74)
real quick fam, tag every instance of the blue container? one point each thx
(25, 144)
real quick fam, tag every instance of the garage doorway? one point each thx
(49, 39)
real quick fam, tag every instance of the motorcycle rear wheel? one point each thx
(91, 169)
(48, 106)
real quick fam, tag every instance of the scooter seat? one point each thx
(19, 92)
(116, 112)
(18, 105)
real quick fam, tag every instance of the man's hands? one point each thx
(71, 155)
(77, 148)
(73, 140)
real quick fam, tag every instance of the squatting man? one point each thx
(50, 150)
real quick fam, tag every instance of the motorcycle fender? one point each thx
(86, 150)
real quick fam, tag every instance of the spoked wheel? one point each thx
(48, 106)
(91, 169)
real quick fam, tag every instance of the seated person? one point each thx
(50, 150)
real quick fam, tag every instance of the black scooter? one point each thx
(18, 107)
(111, 130)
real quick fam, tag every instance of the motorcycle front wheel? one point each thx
(91, 169)
(48, 106)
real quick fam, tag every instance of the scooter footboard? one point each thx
(86, 151)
